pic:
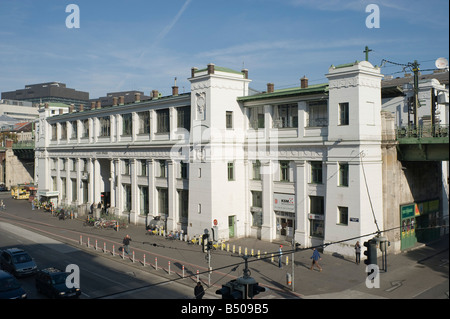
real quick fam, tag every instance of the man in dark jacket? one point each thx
(126, 244)
(199, 292)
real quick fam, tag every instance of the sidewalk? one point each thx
(340, 278)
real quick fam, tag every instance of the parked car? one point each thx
(52, 283)
(17, 262)
(10, 287)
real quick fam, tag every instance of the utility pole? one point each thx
(415, 68)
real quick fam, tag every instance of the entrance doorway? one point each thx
(231, 222)
(285, 227)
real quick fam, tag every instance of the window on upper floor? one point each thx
(285, 116)
(229, 119)
(162, 121)
(343, 174)
(316, 173)
(343, 114)
(184, 117)
(284, 171)
(317, 114)
(144, 122)
(63, 131)
(85, 128)
(127, 124)
(257, 117)
(54, 132)
(105, 126)
(74, 134)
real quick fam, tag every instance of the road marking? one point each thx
(395, 285)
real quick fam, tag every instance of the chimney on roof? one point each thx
(99, 104)
(175, 88)
(121, 100)
(245, 72)
(270, 87)
(155, 94)
(46, 105)
(115, 100)
(71, 108)
(137, 97)
(61, 111)
(81, 107)
(211, 68)
(193, 71)
(304, 82)
(92, 105)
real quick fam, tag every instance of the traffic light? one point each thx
(371, 252)
(255, 289)
(225, 291)
(205, 242)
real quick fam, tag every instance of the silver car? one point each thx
(17, 262)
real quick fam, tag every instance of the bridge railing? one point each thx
(424, 131)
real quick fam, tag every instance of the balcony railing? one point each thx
(426, 131)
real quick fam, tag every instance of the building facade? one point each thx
(303, 162)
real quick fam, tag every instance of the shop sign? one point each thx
(284, 202)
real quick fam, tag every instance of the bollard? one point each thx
(133, 256)
(271, 257)
(245, 251)
(113, 251)
(287, 260)
(169, 267)
(96, 244)
(81, 240)
(234, 249)
(288, 279)
(228, 247)
(259, 254)
(182, 268)
(104, 247)
(88, 243)
(144, 260)
(156, 263)
(253, 253)
(198, 276)
(240, 250)
(123, 253)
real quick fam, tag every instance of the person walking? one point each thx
(199, 292)
(126, 244)
(358, 252)
(280, 254)
(315, 259)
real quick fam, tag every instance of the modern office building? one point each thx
(304, 162)
(50, 92)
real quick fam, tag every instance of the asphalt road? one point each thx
(99, 277)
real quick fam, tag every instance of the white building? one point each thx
(303, 162)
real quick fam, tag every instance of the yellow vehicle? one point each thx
(20, 192)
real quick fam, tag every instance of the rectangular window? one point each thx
(143, 200)
(316, 216)
(144, 122)
(163, 201)
(286, 116)
(317, 114)
(127, 197)
(257, 170)
(74, 189)
(229, 119)
(127, 124)
(126, 167)
(85, 128)
(162, 121)
(142, 168)
(184, 117)
(54, 131)
(343, 174)
(316, 172)
(257, 117)
(105, 126)
(63, 131)
(343, 114)
(230, 168)
(74, 134)
(183, 204)
(284, 171)
(343, 215)
(184, 170)
(162, 169)
(256, 199)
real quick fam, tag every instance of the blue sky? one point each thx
(143, 45)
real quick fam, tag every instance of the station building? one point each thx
(303, 163)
